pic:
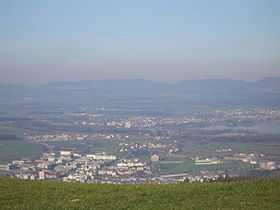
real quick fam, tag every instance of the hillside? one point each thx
(25, 194)
(146, 96)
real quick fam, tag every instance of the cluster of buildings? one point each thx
(69, 166)
(74, 167)
(76, 136)
(57, 137)
(209, 118)
(257, 114)
(128, 147)
(207, 161)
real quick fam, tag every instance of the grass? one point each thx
(175, 167)
(11, 150)
(19, 149)
(26, 194)
(62, 145)
(12, 130)
(103, 145)
(187, 166)
(142, 158)
(197, 148)
(91, 146)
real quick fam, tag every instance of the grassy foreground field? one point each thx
(25, 194)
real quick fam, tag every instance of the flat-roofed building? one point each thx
(154, 158)
(4, 167)
(65, 153)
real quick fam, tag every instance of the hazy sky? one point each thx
(64, 40)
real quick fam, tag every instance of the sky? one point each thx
(158, 40)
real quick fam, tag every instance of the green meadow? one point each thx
(26, 194)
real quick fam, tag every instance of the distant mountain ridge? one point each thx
(149, 95)
(270, 82)
(113, 85)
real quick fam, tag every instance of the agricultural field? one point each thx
(20, 149)
(197, 148)
(68, 145)
(188, 166)
(13, 130)
(12, 149)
